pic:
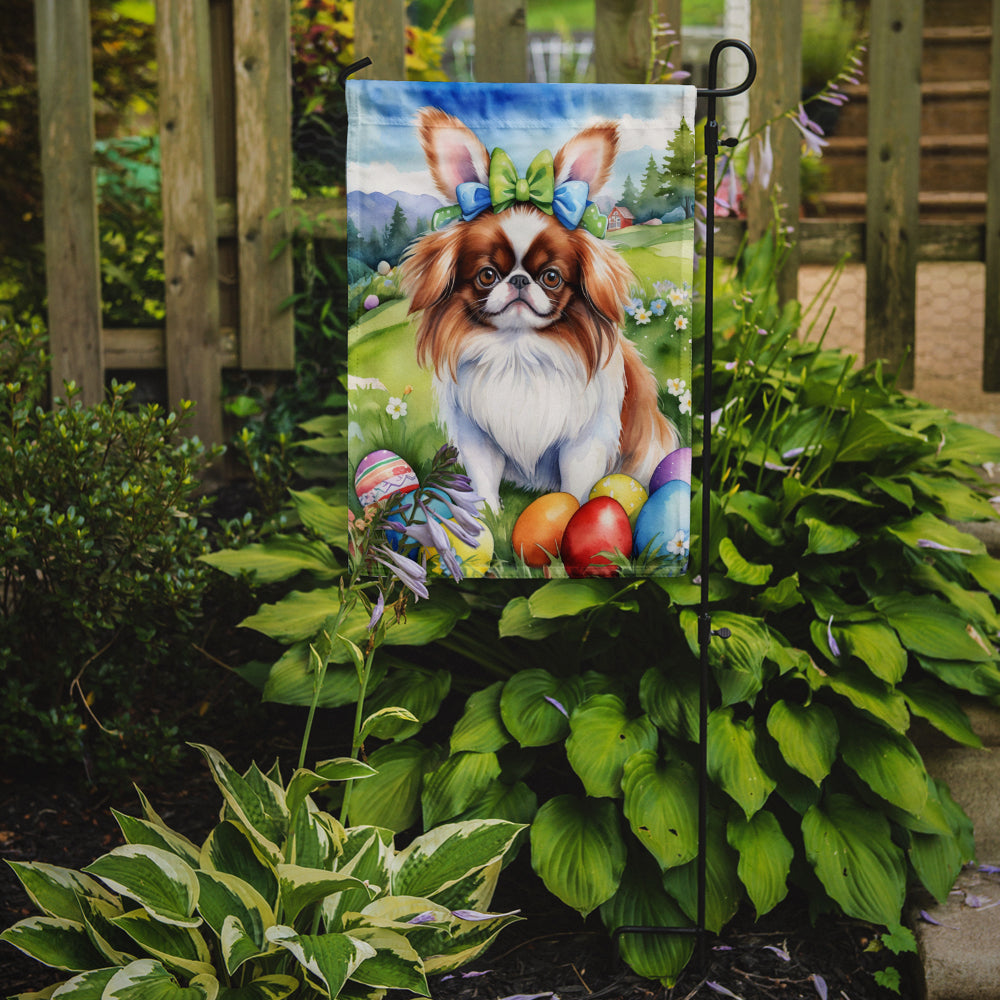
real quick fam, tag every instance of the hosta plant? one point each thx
(279, 900)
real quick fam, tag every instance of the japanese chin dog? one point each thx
(521, 315)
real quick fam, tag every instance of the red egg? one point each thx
(600, 525)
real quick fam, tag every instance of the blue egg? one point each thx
(664, 522)
(402, 513)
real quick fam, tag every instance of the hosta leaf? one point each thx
(180, 948)
(280, 557)
(866, 692)
(56, 891)
(671, 700)
(417, 690)
(225, 897)
(765, 858)
(441, 857)
(367, 856)
(481, 728)
(601, 739)
(723, 889)
(739, 569)
(517, 620)
(783, 595)
(330, 959)
(807, 736)
(530, 706)
(301, 887)
(304, 782)
(976, 678)
(516, 803)
(641, 901)
(98, 916)
(262, 812)
(391, 798)
(827, 539)
(141, 831)
(327, 520)
(87, 986)
(661, 803)
(985, 569)
(931, 628)
(888, 763)
(147, 979)
(870, 435)
(388, 723)
(876, 646)
(466, 941)
(578, 851)
(54, 941)
(560, 598)
(274, 987)
(958, 502)
(159, 881)
(456, 784)
(936, 704)
(738, 661)
(760, 512)
(732, 760)
(850, 848)
(395, 964)
(928, 528)
(230, 849)
(937, 859)
(291, 680)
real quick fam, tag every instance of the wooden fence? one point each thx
(226, 161)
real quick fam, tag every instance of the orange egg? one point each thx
(538, 531)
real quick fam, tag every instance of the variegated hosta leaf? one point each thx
(475, 891)
(54, 941)
(301, 887)
(158, 880)
(367, 853)
(56, 891)
(888, 763)
(850, 847)
(275, 987)
(468, 939)
(177, 947)
(304, 782)
(315, 838)
(642, 902)
(481, 727)
(578, 851)
(256, 801)
(230, 849)
(225, 897)
(602, 737)
(441, 857)
(765, 858)
(661, 805)
(535, 706)
(329, 959)
(141, 831)
(456, 784)
(395, 964)
(723, 889)
(807, 736)
(86, 986)
(147, 979)
(732, 760)
(116, 946)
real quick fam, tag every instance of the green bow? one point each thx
(537, 186)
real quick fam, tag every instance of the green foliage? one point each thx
(101, 587)
(279, 899)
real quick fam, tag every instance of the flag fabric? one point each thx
(520, 267)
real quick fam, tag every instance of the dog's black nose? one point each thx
(520, 281)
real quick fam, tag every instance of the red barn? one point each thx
(620, 217)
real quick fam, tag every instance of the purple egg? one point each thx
(677, 465)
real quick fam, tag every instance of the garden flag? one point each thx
(520, 263)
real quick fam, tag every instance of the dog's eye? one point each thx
(487, 277)
(551, 278)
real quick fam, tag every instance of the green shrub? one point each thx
(279, 900)
(101, 584)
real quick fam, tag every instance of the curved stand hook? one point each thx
(353, 68)
(712, 90)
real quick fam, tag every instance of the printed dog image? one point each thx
(521, 304)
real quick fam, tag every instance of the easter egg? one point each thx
(474, 559)
(382, 474)
(600, 525)
(626, 490)
(401, 513)
(677, 465)
(664, 523)
(538, 531)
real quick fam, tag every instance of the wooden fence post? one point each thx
(380, 34)
(501, 41)
(776, 35)
(893, 183)
(190, 251)
(623, 37)
(72, 255)
(991, 332)
(262, 61)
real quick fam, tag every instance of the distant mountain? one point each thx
(376, 209)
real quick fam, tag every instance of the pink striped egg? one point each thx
(383, 474)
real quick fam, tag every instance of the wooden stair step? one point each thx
(951, 204)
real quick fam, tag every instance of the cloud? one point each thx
(385, 176)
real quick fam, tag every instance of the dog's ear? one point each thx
(454, 154)
(588, 156)
(429, 267)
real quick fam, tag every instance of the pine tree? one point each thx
(397, 235)
(678, 170)
(630, 195)
(648, 201)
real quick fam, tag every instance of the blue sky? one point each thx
(521, 118)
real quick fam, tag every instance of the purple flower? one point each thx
(558, 705)
(427, 917)
(377, 612)
(820, 983)
(811, 132)
(834, 648)
(719, 988)
(760, 164)
(475, 915)
(927, 543)
(412, 575)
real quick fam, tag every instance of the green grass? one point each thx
(578, 15)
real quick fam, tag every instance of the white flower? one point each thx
(685, 401)
(642, 315)
(676, 386)
(681, 323)
(678, 296)
(678, 545)
(396, 408)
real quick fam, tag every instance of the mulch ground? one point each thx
(551, 952)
